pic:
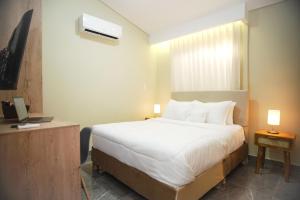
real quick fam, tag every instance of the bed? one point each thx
(168, 159)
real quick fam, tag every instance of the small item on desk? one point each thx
(27, 125)
(9, 110)
(273, 132)
(14, 126)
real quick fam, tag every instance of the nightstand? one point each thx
(150, 117)
(282, 141)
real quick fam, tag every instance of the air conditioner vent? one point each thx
(94, 25)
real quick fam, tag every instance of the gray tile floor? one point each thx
(242, 184)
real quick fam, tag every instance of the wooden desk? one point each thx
(282, 141)
(40, 163)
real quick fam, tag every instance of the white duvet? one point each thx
(173, 152)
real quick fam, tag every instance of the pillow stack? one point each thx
(178, 110)
(196, 111)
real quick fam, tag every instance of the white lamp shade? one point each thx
(156, 108)
(274, 117)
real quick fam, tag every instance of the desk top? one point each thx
(5, 126)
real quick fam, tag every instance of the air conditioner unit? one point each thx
(94, 25)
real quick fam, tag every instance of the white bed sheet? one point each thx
(170, 151)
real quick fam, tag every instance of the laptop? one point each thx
(23, 114)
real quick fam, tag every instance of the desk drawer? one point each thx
(272, 142)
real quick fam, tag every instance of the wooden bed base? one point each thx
(155, 190)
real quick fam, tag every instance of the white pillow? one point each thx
(229, 120)
(217, 112)
(178, 110)
(198, 112)
(197, 116)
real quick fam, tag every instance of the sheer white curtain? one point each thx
(208, 60)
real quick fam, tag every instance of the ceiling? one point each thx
(153, 16)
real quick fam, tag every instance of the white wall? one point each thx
(93, 80)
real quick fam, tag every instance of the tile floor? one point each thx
(241, 184)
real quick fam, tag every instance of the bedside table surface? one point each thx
(280, 135)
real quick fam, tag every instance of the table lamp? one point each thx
(273, 120)
(156, 109)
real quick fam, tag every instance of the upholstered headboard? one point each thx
(240, 114)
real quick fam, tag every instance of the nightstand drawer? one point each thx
(273, 142)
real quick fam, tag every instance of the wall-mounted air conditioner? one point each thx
(94, 25)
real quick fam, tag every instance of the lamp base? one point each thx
(273, 132)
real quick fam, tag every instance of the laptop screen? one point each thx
(20, 108)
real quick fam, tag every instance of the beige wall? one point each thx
(163, 80)
(91, 80)
(274, 70)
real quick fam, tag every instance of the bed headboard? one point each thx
(240, 114)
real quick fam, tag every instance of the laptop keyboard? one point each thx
(38, 119)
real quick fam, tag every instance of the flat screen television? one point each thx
(11, 56)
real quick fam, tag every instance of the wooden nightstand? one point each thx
(282, 141)
(150, 117)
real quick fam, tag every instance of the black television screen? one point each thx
(11, 56)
